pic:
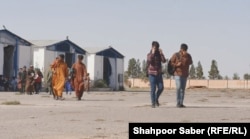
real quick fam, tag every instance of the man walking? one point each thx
(23, 80)
(79, 76)
(29, 87)
(60, 75)
(155, 58)
(181, 61)
(49, 82)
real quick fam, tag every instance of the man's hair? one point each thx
(80, 57)
(184, 46)
(62, 56)
(156, 44)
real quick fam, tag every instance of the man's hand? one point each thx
(160, 50)
(153, 50)
(178, 64)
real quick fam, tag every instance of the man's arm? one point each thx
(66, 71)
(150, 57)
(84, 72)
(163, 59)
(190, 59)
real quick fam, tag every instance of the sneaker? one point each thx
(61, 98)
(182, 106)
(153, 106)
(157, 103)
(178, 105)
(55, 97)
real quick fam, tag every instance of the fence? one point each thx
(170, 83)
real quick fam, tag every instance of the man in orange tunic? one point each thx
(53, 66)
(60, 74)
(79, 75)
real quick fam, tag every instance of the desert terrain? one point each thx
(106, 115)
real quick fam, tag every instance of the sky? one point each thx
(213, 29)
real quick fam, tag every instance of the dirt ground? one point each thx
(106, 115)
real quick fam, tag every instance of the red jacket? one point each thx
(154, 66)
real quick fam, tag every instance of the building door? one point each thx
(107, 71)
(8, 70)
(69, 59)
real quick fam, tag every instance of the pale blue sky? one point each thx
(213, 29)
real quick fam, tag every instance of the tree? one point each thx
(226, 78)
(144, 68)
(199, 71)
(214, 72)
(132, 68)
(246, 76)
(138, 68)
(192, 72)
(236, 76)
(220, 77)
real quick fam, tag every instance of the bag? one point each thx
(171, 69)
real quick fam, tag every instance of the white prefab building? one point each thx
(15, 52)
(45, 52)
(106, 64)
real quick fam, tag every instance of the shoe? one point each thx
(182, 106)
(157, 103)
(78, 98)
(153, 106)
(61, 98)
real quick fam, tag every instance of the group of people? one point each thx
(8, 84)
(29, 81)
(180, 60)
(60, 78)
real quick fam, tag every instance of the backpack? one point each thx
(170, 67)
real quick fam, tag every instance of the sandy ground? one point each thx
(105, 115)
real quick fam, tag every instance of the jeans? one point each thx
(180, 89)
(156, 81)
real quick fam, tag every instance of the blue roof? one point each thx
(107, 52)
(65, 46)
(20, 40)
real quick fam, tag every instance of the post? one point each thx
(227, 83)
(16, 55)
(247, 81)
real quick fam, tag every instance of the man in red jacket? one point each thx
(154, 70)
